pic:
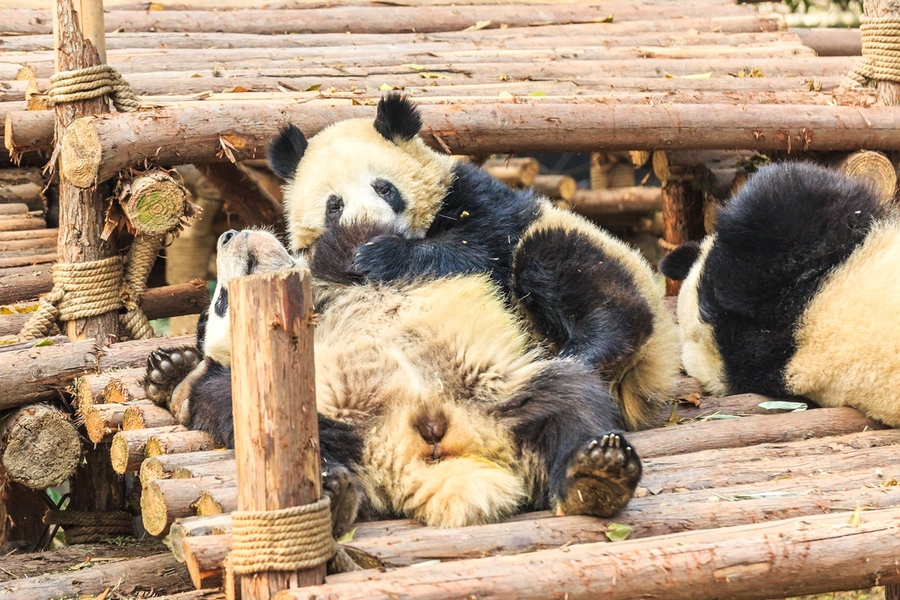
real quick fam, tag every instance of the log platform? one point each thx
(698, 92)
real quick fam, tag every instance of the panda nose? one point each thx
(226, 237)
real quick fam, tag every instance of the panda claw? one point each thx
(601, 478)
(166, 368)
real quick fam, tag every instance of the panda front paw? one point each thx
(383, 258)
(601, 477)
(166, 368)
(343, 490)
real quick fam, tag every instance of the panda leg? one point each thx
(566, 419)
(166, 368)
(579, 296)
(341, 448)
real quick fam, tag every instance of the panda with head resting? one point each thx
(433, 403)
(584, 294)
(796, 293)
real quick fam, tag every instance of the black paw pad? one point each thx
(601, 477)
(166, 368)
(342, 488)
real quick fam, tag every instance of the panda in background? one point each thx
(433, 403)
(796, 293)
(584, 294)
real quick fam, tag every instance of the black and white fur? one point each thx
(432, 403)
(796, 293)
(584, 293)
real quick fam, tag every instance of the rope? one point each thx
(880, 52)
(141, 257)
(290, 539)
(88, 527)
(92, 82)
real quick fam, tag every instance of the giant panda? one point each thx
(584, 294)
(433, 402)
(796, 293)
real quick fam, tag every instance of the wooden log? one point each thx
(697, 565)
(189, 527)
(691, 406)
(13, 209)
(747, 431)
(243, 196)
(24, 283)
(830, 41)
(562, 187)
(214, 469)
(598, 203)
(217, 502)
(40, 446)
(514, 172)
(467, 129)
(164, 465)
(273, 377)
(204, 557)
(125, 386)
(35, 243)
(682, 207)
(875, 168)
(90, 389)
(102, 421)
(161, 572)
(126, 452)
(178, 442)
(20, 223)
(37, 236)
(165, 500)
(386, 19)
(22, 261)
(146, 415)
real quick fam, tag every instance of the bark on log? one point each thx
(204, 557)
(599, 203)
(126, 452)
(23, 261)
(562, 187)
(827, 41)
(514, 172)
(165, 500)
(217, 502)
(698, 565)
(190, 527)
(273, 378)
(747, 431)
(24, 283)
(161, 572)
(387, 19)
(178, 442)
(40, 446)
(125, 386)
(20, 223)
(146, 415)
(90, 389)
(163, 466)
(13, 209)
(526, 128)
(103, 421)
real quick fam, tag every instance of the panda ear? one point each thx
(397, 118)
(677, 263)
(286, 150)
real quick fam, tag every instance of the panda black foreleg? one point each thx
(582, 300)
(565, 417)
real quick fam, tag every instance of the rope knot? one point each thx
(92, 82)
(880, 52)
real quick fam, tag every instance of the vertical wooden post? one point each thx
(276, 436)
(81, 210)
(80, 42)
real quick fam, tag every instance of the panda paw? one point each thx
(601, 477)
(166, 368)
(383, 258)
(343, 489)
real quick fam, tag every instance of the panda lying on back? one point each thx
(796, 293)
(432, 401)
(585, 294)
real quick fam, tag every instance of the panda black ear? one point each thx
(397, 118)
(677, 263)
(286, 150)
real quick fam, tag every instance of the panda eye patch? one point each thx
(334, 206)
(390, 194)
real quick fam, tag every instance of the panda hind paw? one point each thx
(166, 368)
(343, 490)
(601, 478)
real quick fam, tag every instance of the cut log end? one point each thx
(154, 511)
(156, 203)
(144, 416)
(80, 153)
(42, 447)
(874, 168)
(178, 442)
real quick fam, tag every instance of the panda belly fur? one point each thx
(796, 293)
(433, 402)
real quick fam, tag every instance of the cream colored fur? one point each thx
(848, 340)
(642, 383)
(699, 352)
(344, 159)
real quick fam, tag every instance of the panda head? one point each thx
(378, 171)
(700, 355)
(239, 253)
